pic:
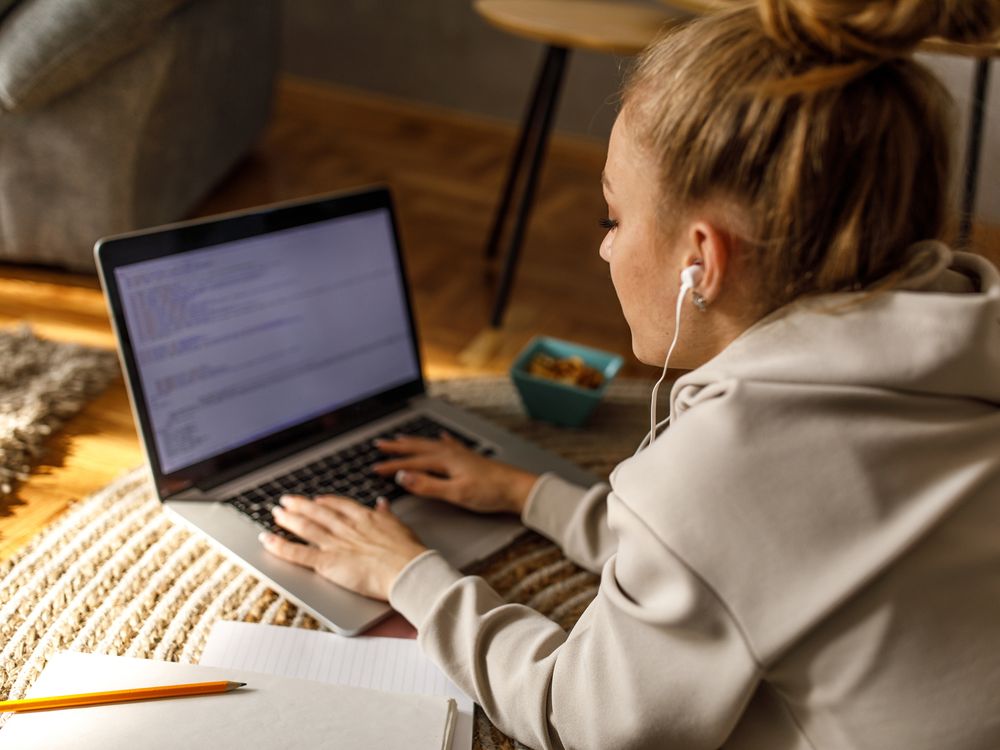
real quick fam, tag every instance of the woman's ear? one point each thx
(712, 249)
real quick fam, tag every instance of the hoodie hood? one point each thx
(828, 442)
(937, 334)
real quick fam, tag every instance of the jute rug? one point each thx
(42, 384)
(116, 576)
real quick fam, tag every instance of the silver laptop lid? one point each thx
(248, 337)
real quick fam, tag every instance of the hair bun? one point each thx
(859, 29)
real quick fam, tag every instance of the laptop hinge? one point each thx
(192, 493)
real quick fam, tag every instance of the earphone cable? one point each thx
(645, 438)
(677, 330)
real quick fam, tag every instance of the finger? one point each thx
(301, 526)
(345, 506)
(447, 437)
(315, 512)
(423, 463)
(423, 484)
(300, 554)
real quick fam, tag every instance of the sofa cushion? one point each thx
(6, 5)
(48, 47)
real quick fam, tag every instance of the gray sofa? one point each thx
(119, 114)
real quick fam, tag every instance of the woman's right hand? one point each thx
(447, 470)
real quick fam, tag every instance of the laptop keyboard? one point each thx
(346, 472)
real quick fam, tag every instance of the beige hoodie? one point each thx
(809, 557)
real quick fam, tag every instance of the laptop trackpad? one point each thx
(459, 535)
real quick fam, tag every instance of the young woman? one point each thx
(809, 556)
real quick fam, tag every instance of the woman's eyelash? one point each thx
(608, 223)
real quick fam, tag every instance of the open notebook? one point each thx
(270, 712)
(393, 664)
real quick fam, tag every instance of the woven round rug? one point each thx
(115, 575)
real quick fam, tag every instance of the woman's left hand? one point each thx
(358, 548)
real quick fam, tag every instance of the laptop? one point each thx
(263, 352)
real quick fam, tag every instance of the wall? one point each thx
(443, 53)
(958, 74)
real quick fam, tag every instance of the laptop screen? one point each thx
(246, 338)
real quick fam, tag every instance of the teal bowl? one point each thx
(555, 402)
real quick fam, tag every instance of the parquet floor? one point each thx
(445, 171)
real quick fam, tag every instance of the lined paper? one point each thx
(392, 664)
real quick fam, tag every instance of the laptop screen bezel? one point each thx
(125, 250)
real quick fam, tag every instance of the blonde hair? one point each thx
(813, 120)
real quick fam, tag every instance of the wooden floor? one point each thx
(445, 171)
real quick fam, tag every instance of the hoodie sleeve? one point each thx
(573, 517)
(655, 661)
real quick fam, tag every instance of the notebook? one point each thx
(270, 712)
(263, 351)
(392, 664)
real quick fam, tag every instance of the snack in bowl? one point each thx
(561, 381)
(570, 370)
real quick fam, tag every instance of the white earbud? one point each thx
(690, 278)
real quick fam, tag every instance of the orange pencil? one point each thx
(118, 696)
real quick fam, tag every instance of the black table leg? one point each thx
(977, 115)
(530, 152)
